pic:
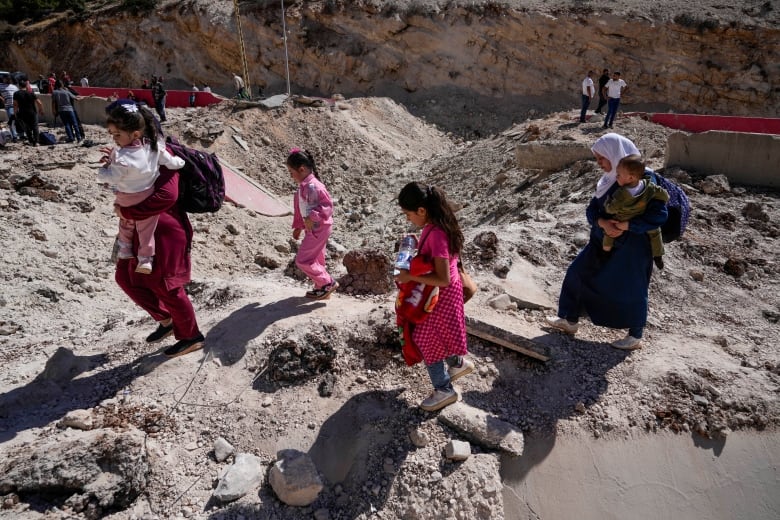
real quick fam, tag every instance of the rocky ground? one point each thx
(325, 378)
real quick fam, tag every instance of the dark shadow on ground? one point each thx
(716, 445)
(58, 389)
(228, 339)
(354, 441)
(534, 396)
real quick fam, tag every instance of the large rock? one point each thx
(294, 478)
(483, 428)
(369, 272)
(108, 468)
(239, 478)
(550, 155)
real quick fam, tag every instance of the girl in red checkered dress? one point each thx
(442, 336)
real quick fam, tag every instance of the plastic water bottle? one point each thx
(405, 252)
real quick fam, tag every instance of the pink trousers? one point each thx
(311, 256)
(145, 227)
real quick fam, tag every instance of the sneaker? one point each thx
(466, 367)
(162, 332)
(628, 343)
(563, 324)
(185, 346)
(144, 266)
(439, 399)
(323, 293)
(125, 250)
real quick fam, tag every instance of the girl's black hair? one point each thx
(416, 195)
(299, 157)
(130, 119)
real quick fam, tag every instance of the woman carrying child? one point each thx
(132, 169)
(160, 292)
(314, 215)
(611, 288)
(441, 337)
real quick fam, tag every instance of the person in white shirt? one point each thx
(588, 90)
(613, 90)
(193, 95)
(131, 169)
(238, 83)
(7, 91)
(84, 82)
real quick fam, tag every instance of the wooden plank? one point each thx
(472, 328)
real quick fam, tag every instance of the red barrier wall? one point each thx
(174, 98)
(701, 123)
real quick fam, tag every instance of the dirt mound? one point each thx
(709, 365)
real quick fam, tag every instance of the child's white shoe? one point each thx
(144, 265)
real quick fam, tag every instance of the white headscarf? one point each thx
(614, 147)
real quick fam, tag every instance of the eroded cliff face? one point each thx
(467, 69)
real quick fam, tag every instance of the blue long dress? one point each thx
(611, 288)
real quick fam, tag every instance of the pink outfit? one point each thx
(313, 200)
(132, 171)
(443, 333)
(145, 227)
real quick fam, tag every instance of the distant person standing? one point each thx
(238, 83)
(193, 94)
(27, 107)
(7, 91)
(206, 88)
(613, 89)
(84, 81)
(602, 96)
(62, 104)
(158, 95)
(587, 94)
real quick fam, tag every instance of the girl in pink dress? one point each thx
(441, 338)
(314, 215)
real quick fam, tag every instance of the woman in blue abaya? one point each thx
(611, 288)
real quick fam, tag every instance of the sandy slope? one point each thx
(712, 335)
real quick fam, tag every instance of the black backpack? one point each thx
(201, 183)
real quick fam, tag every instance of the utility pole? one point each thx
(247, 85)
(286, 57)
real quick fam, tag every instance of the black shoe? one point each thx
(162, 332)
(659, 262)
(185, 346)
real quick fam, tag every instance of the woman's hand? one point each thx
(623, 226)
(308, 223)
(296, 234)
(118, 210)
(609, 227)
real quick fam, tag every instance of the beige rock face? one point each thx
(518, 58)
